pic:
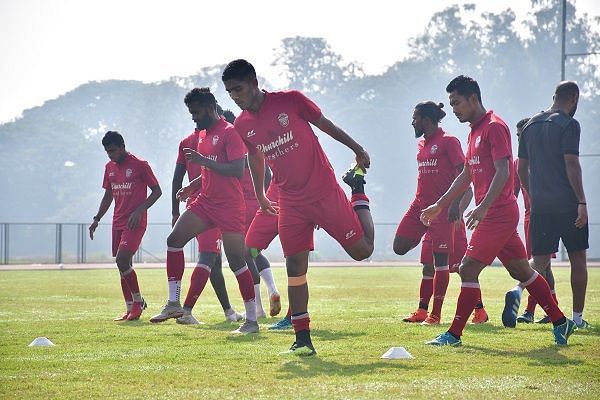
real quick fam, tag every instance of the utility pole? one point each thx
(563, 56)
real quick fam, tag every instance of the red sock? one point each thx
(245, 283)
(425, 292)
(130, 278)
(175, 264)
(539, 289)
(554, 297)
(197, 283)
(531, 303)
(126, 291)
(440, 285)
(469, 293)
(301, 322)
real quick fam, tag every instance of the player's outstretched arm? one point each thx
(523, 173)
(134, 218)
(362, 157)
(256, 162)
(476, 215)
(177, 183)
(104, 206)
(455, 211)
(233, 168)
(574, 174)
(458, 187)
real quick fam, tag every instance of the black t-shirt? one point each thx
(546, 138)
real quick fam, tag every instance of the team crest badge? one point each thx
(477, 141)
(215, 140)
(128, 173)
(434, 149)
(283, 119)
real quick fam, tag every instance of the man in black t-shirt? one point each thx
(550, 172)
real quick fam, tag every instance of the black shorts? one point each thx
(547, 229)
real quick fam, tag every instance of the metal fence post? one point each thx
(83, 244)
(58, 254)
(2, 244)
(6, 242)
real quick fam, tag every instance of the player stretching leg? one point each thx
(440, 159)
(277, 129)
(208, 242)
(220, 203)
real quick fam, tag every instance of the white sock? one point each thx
(267, 276)
(229, 311)
(257, 300)
(129, 304)
(577, 317)
(250, 307)
(174, 290)
(519, 289)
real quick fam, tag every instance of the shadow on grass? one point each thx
(546, 356)
(306, 367)
(325, 334)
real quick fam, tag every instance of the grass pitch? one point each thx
(355, 319)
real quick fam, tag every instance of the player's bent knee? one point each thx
(403, 245)
(360, 250)
(123, 262)
(469, 270)
(174, 241)
(401, 250)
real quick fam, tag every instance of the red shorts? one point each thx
(497, 236)
(262, 230)
(230, 218)
(333, 213)
(458, 250)
(251, 209)
(440, 230)
(209, 241)
(127, 239)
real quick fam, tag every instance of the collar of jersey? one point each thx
(485, 116)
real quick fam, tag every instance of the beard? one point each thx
(418, 133)
(203, 123)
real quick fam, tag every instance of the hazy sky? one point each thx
(49, 47)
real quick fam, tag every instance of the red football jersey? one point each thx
(221, 144)
(281, 130)
(437, 158)
(129, 181)
(489, 141)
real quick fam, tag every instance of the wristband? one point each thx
(582, 204)
(96, 218)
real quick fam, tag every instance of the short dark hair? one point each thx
(431, 110)
(202, 96)
(464, 86)
(239, 69)
(522, 123)
(229, 116)
(565, 90)
(113, 137)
